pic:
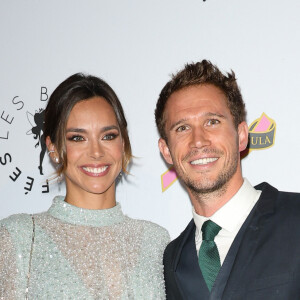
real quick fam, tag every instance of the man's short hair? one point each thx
(201, 73)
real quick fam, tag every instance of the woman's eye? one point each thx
(182, 128)
(213, 122)
(76, 138)
(110, 136)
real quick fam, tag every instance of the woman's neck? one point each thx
(87, 200)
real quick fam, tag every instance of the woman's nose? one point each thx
(96, 149)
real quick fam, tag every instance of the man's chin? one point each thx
(205, 188)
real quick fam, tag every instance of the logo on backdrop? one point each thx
(262, 133)
(261, 136)
(35, 123)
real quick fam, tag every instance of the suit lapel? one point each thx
(246, 242)
(187, 272)
(227, 266)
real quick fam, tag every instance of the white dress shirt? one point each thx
(230, 217)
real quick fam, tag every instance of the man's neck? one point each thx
(206, 204)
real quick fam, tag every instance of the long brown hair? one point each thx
(74, 89)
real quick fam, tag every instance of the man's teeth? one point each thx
(204, 161)
(95, 170)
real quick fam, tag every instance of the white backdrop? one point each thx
(135, 45)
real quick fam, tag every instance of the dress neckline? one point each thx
(88, 217)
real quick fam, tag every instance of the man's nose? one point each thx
(199, 138)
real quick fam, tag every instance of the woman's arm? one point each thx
(8, 268)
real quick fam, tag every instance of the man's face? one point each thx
(202, 141)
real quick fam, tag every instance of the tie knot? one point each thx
(209, 230)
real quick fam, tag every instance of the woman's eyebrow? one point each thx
(103, 129)
(107, 128)
(75, 130)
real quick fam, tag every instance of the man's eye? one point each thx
(213, 122)
(76, 138)
(110, 136)
(182, 128)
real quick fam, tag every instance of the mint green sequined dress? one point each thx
(81, 254)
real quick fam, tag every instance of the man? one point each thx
(243, 242)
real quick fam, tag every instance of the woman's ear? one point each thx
(49, 144)
(52, 150)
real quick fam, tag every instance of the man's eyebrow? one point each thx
(178, 122)
(215, 115)
(209, 114)
(103, 129)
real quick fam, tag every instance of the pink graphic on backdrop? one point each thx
(168, 178)
(263, 124)
(261, 133)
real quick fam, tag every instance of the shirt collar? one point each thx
(235, 211)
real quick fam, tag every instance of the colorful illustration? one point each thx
(262, 133)
(168, 178)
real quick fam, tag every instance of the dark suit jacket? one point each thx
(263, 263)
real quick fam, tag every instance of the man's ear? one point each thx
(243, 136)
(164, 150)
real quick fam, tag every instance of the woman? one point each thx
(83, 247)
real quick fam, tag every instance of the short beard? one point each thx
(219, 186)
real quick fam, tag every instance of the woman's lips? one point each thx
(95, 171)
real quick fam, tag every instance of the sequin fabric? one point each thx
(81, 254)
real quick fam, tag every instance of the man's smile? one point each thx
(204, 161)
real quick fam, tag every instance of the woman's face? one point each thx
(94, 148)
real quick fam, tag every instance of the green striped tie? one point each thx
(209, 259)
